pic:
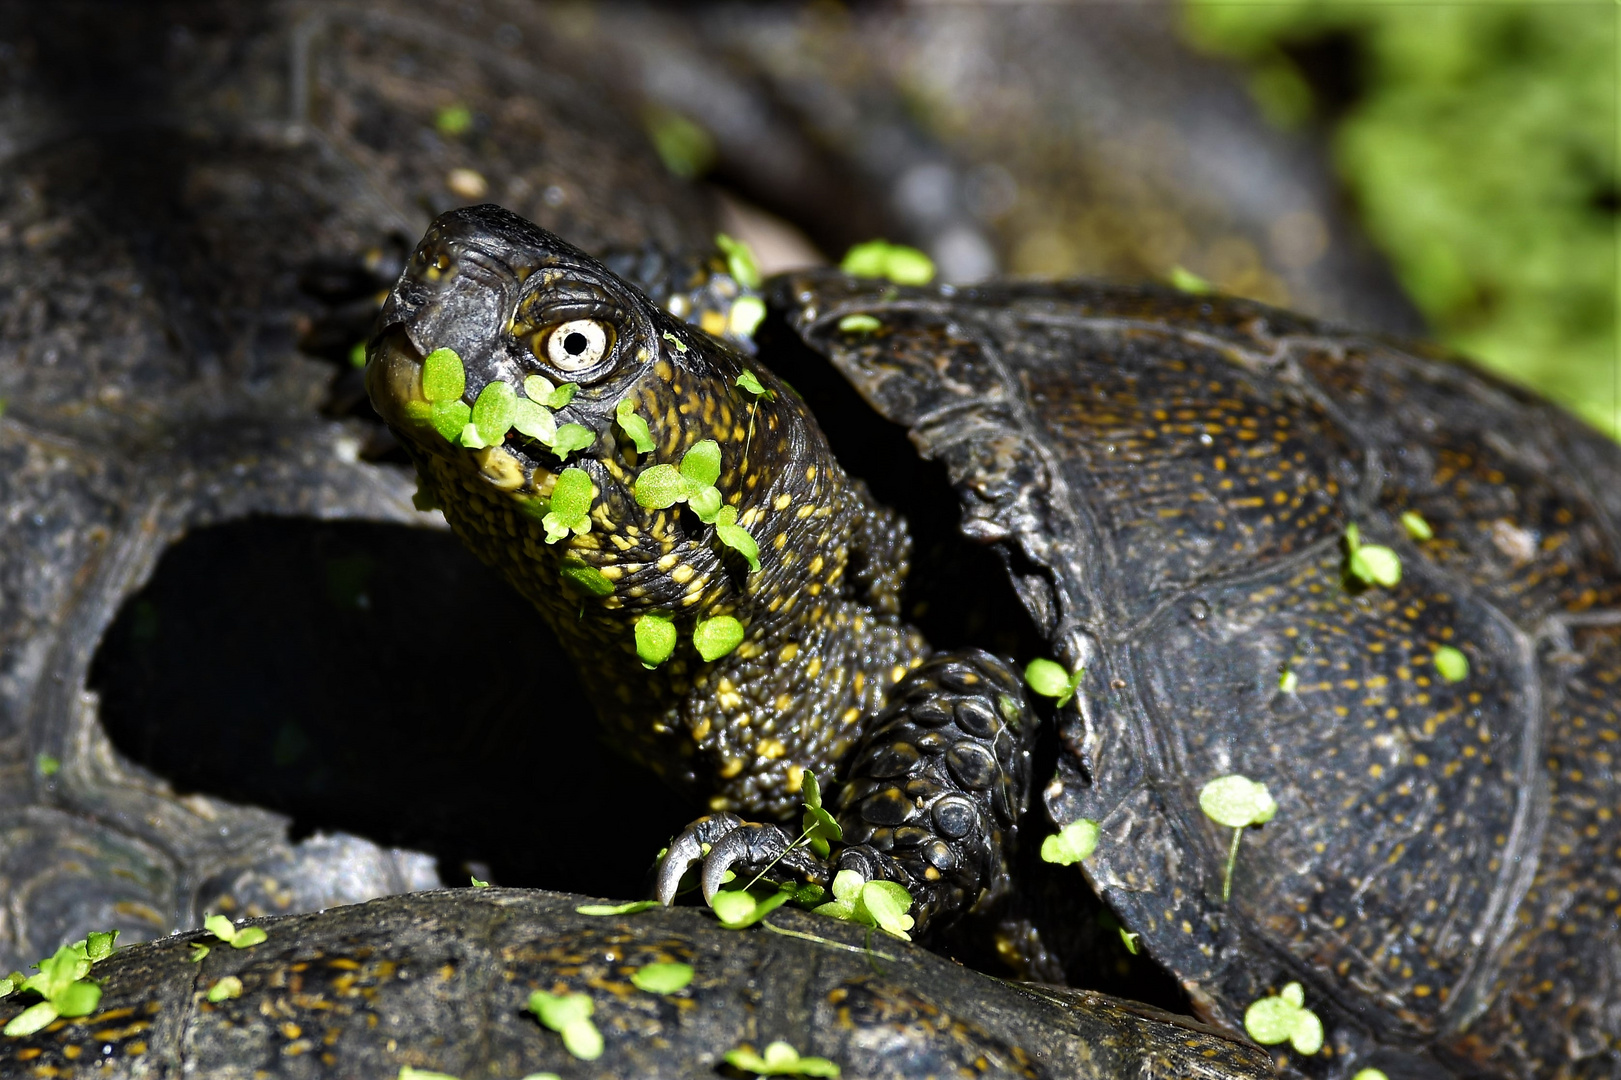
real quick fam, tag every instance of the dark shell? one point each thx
(1171, 476)
(440, 980)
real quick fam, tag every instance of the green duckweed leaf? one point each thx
(470, 437)
(634, 427)
(237, 937)
(847, 885)
(1371, 564)
(570, 505)
(357, 355)
(1417, 528)
(859, 324)
(736, 537)
(46, 765)
(701, 464)
(810, 790)
(99, 945)
(1071, 844)
(492, 412)
(449, 418)
(880, 259)
(11, 983)
(78, 999)
(198, 952)
(249, 935)
(662, 978)
(680, 346)
(737, 909)
(888, 904)
(228, 987)
(443, 376)
(705, 503)
(779, 1059)
(476, 883)
(572, 437)
(453, 120)
(1370, 1074)
(632, 908)
(1451, 664)
(561, 396)
(655, 639)
(1189, 282)
(1288, 682)
(751, 383)
(660, 487)
(740, 262)
(685, 146)
(1237, 802)
(1283, 1018)
(745, 317)
(716, 637)
(1049, 679)
(570, 1016)
(31, 1019)
(1129, 940)
(535, 421)
(1374, 564)
(582, 577)
(538, 388)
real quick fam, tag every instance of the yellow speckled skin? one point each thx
(821, 645)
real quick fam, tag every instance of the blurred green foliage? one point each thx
(1478, 141)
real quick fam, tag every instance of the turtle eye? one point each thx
(575, 345)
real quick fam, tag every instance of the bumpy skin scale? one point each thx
(1173, 476)
(350, 992)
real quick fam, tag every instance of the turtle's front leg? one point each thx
(931, 798)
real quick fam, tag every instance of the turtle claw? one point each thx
(725, 842)
(691, 846)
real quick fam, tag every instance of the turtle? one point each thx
(1359, 579)
(203, 202)
(352, 991)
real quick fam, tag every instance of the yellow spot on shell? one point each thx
(795, 779)
(897, 673)
(770, 749)
(732, 767)
(814, 668)
(783, 501)
(682, 574)
(701, 732)
(788, 652)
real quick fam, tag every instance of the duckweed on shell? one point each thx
(1282, 1018)
(1451, 664)
(1071, 844)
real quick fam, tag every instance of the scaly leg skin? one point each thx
(931, 799)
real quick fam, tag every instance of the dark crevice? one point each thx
(377, 680)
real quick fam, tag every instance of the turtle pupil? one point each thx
(575, 344)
